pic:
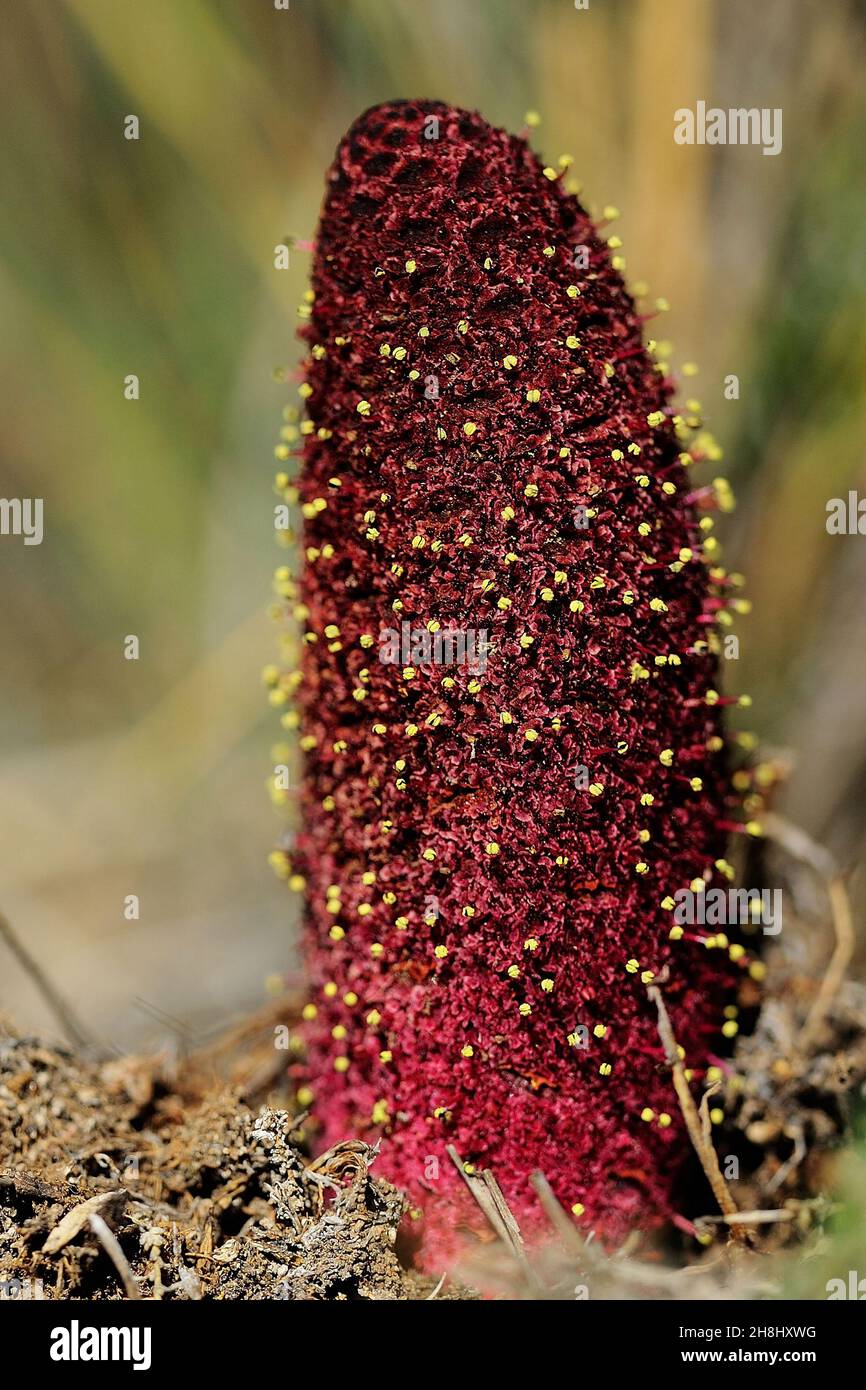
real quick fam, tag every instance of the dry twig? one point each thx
(489, 1196)
(700, 1139)
(110, 1244)
(74, 1030)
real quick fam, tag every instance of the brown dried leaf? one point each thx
(76, 1219)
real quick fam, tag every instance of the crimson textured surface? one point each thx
(477, 911)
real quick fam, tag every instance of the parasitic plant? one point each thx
(492, 837)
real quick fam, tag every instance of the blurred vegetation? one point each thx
(156, 257)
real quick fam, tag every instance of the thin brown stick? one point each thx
(506, 1215)
(110, 1244)
(701, 1143)
(802, 847)
(749, 1218)
(65, 1016)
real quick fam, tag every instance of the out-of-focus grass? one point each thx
(841, 1247)
(156, 257)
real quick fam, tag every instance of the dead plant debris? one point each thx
(116, 1184)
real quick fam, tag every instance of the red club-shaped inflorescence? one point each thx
(514, 753)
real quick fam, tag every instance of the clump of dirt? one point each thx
(122, 1181)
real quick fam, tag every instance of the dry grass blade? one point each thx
(701, 1141)
(504, 1212)
(489, 1196)
(438, 1289)
(617, 1271)
(556, 1216)
(480, 1190)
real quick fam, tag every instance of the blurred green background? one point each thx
(155, 257)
